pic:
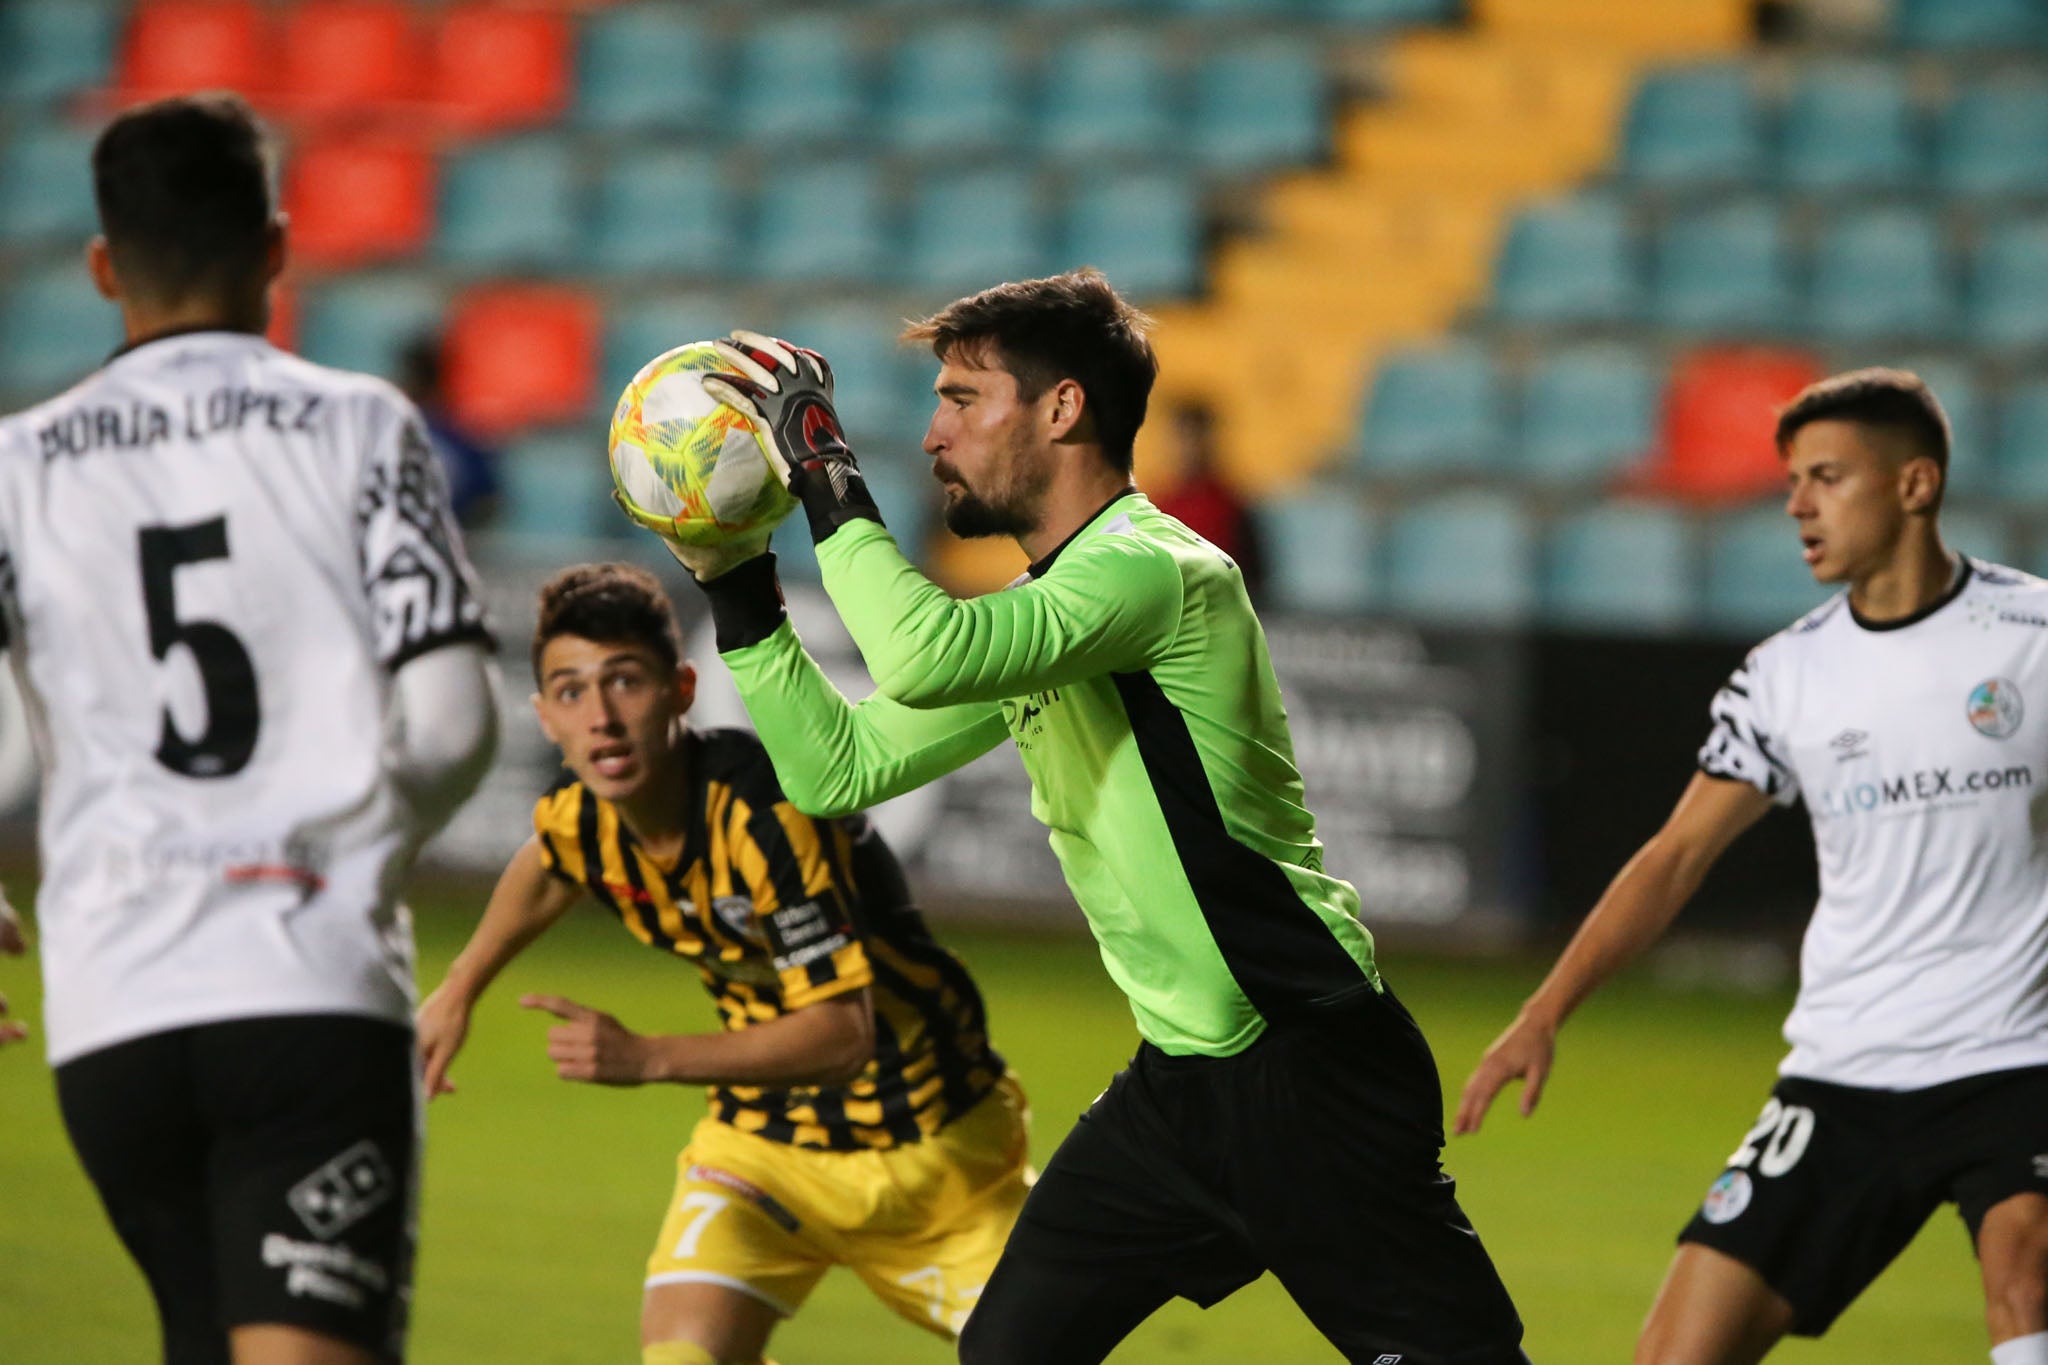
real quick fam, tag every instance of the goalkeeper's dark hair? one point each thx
(183, 187)
(609, 603)
(1896, 402)
(1072, 326)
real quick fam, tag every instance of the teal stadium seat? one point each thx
(1435, 411)
(823, 220)
(1978, 534)
(1569, 262)
(900, 478)
(1970, 23)
(869, 386)
(54, 330)
(954, 89)
(1725, 268)
(1321, 551)
(1384, 13)
(53, 48)
(1143, 230)
(365, 321)
(1756, 582)
(2009, 285)
(1849, 126)
(1621, 566)
(648, 68)
(46, 186)
(1107, 92)
(642, 330)
(664, 209)
(801, 78)
(1466, 557)
(2023, 443)
(1694, 127)
(555, 488)
(1994, 140)
(511, 205)
(1882, 273)
(1260, 105)
(973, 228)
(1587, 413)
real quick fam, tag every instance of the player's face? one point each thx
(612, 709)
(1849, 497)
(991, 451)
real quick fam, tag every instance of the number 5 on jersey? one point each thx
(226, 674)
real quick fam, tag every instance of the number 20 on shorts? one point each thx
(1783, 1130)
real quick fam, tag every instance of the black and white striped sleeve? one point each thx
(1741, 747)
(421, 588)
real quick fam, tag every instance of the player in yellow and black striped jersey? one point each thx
(859, 1115)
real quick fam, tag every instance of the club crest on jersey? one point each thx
(1995, 708)
(1727, 1197)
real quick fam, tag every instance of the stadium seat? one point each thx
(2009, 285)
(1849, 126)
(1466, 557)
(365, 321)
(46, 185)
(971, 229)
(1994, 140)
(2023, 443)
(1370, 14)
(1717, 441)
(1569, 262)
(1321, 548)
(1882, 273)
(1441, 410)
(867, 368)
(1725, 268)
(510, 205)
(495, 67)
(1978, 534)
(800, 79)
(648, 68)
(1259, 105)
(522, 356)
(1756, 581)
(53, 48)
(356, 199)
(796, 555)
(824, 220)
(644, 328)
(1143, 230)
(350, 57)
(177, 46)
(54, 330)
(954, 89)
(1694, 127)
(1991, 24)
(555, 488)
(1587, 413)
(900, 478)
(1621, 566)
(667, 209)
(1107, 92)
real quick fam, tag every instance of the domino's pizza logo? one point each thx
(1995, 709)
(1727, 1197)
(344, 1191)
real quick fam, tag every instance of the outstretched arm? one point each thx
(1636, 909)
(826, 1043)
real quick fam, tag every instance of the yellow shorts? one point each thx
(921, 1224)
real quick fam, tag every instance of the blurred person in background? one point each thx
(470, 464)
(1910, 713)
(1205, 502)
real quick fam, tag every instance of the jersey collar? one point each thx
(1039, 567)
(1964, 570)
(194, 330)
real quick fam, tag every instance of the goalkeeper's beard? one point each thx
(1015, 511)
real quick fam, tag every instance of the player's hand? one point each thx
(443, 1027)
(1526, 1050)
(590, 1045)
(785, 391)
(705, 562)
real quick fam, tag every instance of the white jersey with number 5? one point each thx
(212, 556)
(1921, 750)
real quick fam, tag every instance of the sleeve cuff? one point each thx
(746, 603)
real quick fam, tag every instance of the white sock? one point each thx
(2027, 1350)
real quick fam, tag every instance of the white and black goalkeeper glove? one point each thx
(785, 391)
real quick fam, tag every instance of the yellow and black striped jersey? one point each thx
(780, 911)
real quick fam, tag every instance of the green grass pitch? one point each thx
(542, 1197)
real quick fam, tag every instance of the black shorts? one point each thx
(1313, 1154)
(1832, 1181)
(259, 1171)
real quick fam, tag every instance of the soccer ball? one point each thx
(680, 456)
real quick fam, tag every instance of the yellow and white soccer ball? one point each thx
(681, 458)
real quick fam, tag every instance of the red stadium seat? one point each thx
(284, 315)
(176, 46)
(522, 355)
(498, 68)
(355, 57)
(1720, 415)
(353, 200)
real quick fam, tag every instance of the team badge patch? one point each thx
(1727, 1197)
(1995, 708)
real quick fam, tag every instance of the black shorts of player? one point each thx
(259, 1171)
(1313, 1154)
(1832, 1181)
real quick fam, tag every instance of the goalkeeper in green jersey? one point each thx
(1283, 1112)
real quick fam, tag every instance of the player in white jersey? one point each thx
(257, 675)
(1910, 713)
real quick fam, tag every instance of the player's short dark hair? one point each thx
(609, 603)
(183, 187)
(1894, 401)
(1072, 326)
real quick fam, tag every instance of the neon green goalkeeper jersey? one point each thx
(1129, 669)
